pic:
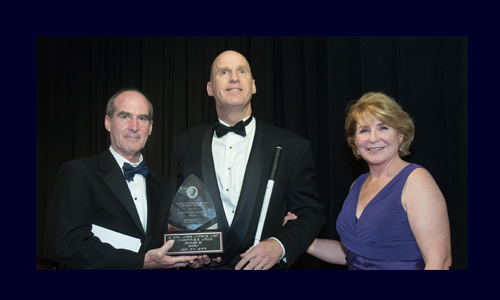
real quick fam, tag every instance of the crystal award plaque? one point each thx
(192, 222)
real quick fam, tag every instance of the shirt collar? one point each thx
(120, 159)
(223, 123)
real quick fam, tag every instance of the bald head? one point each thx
(232, 86)
(228, 54)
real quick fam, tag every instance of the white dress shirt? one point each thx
(230, 154)
(137, 187)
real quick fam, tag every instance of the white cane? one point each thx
(267, 196)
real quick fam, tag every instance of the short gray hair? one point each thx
(110, 108)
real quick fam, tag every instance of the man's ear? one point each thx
(107, 123)
(209, 89)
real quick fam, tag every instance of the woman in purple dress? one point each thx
(395, 216)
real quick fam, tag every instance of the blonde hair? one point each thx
(387, 111)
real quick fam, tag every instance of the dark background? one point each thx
(303, 85)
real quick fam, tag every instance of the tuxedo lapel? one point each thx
(116, 182)
(249, 191)
(154, 200)
(249, 196)
(210, 180)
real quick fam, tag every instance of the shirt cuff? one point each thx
(282, 256)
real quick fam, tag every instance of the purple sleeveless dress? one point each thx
(382, 238)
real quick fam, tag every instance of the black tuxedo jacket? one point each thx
(94, 191)
(294, 190)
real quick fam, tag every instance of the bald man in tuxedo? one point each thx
(233, 158)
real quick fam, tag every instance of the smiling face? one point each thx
(231, 83)
(377, 142)
(130, 125)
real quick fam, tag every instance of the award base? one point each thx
(207, 242)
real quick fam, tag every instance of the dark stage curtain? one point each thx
(303, 84)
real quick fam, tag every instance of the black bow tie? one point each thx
(238, 128)
(130, 171)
